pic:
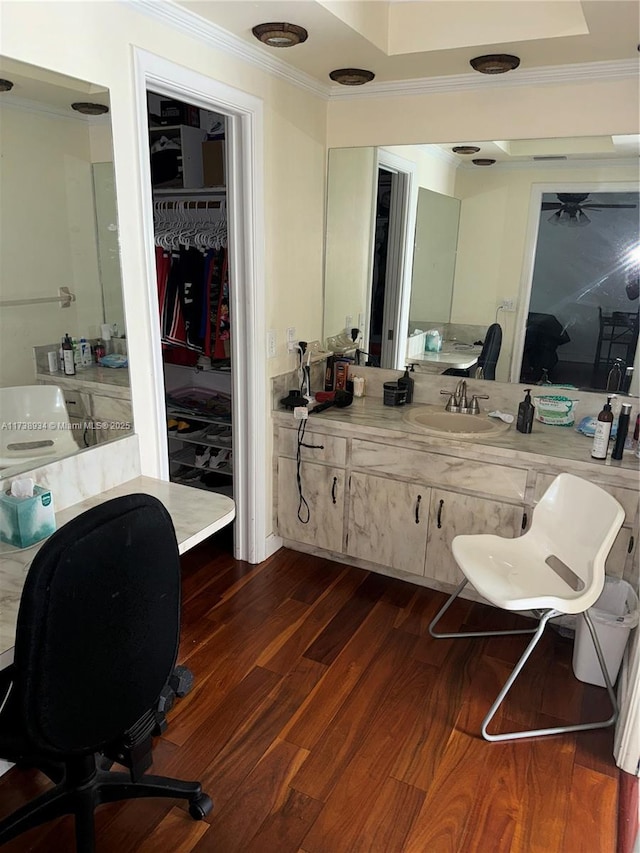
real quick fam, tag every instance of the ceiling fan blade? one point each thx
(551, 205)
(603, 206)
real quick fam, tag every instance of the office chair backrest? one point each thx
(578, 522)
(488, 358)
(98, 625)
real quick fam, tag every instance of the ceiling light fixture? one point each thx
(483, 161)
(351, 76)
(495, 63)
(280, 35)
(6, 85)
(89, 109)
(465, 149)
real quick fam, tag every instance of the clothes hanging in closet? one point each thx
(193, 297)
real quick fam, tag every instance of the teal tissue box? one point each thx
(25, 521)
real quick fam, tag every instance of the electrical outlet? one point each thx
(292, 343)
(361, 321)
(348, 322)
(272, 343)
(508, 305)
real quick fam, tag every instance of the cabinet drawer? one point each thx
(627, 498)
(326, 448)
(439, 470)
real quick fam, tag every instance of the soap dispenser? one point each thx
(526, 409)
(407, 382)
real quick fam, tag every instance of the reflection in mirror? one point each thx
(497, 242)
(59, 271)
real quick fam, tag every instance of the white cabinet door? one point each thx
(388, 522)
(320, 521)
(451, 514)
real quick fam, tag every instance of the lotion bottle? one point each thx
(603, 431)
(67, 354)
(526, 410)
(407, 383)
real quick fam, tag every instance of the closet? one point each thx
(187, 158)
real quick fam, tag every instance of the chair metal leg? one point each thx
(456, 634)
(579, 727)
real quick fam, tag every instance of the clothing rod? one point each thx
(64, 297)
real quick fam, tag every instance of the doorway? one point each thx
(392, 260)
(245, 223)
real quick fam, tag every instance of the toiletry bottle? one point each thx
(603, 431)
(85, 352)
(623, 429)
(67, 354)
(61, 354)
(407, 383)
(526, 410)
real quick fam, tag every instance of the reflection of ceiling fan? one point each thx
(570, 209)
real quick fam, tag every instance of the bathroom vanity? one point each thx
(388, 496)
(100, 395)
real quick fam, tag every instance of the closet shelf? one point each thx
(181, 414)
(201, 438)
(187, 457)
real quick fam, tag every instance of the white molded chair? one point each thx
(36, 425)
(557, 567)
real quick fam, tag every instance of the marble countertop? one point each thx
(196, 515)
(113, 382)
(543, 443)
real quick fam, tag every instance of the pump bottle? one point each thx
(603, 431)
(526, 409)
(407, 382)
(67, 355)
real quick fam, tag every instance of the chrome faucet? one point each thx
(461, 395)
(458, 401)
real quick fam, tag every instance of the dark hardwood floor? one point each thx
(325, 719)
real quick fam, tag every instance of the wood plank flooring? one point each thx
(325, 719)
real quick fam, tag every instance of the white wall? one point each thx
(351, 185)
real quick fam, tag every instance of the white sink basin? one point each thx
(435, 420)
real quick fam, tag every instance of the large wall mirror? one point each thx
(59, 267)
(543, 240)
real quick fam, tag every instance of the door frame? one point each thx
(245, 218)
(402, 226)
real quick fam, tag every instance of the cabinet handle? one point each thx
(630, 546)
(524, 520)
(419, 498)
(333, 489)
(440, 505)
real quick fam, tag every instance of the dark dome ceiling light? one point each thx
(465, 149)
(483, 161)
(88, 108)
(351, 76)
(6, 85)
(495, 63)
(280, 35)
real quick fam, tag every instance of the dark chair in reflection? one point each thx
(543, 336)
(488, 358)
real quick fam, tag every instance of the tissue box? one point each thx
(25, 521)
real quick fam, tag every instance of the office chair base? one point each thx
(537, 632)
(80, 796)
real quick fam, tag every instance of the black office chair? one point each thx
(488, 357)
(96, 642)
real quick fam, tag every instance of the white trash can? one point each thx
(613, 615)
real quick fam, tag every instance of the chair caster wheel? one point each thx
(200, 806)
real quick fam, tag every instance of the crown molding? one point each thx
(27, 106)
(194, 25)
(549, 75)
(592, 164)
